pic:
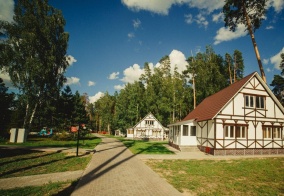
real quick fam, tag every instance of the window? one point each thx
(252, 101)
(185, 130)
(156, 133)
(240, 131)
(270, 132)
(149, 122)
(130, 131)
(235, 131)
(259, 102)
(193, 131)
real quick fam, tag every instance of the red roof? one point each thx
(212, 105)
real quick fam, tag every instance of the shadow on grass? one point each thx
(7, 173)
(68, 190)
(5, 153)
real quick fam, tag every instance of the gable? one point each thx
(147, 120)
(214, 104)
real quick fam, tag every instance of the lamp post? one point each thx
(78, 134)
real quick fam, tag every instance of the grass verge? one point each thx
(20, 162)
(87, 143)
(146, 147)
(256, 176)
(59, 188)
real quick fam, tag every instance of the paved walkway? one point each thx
(114, 170)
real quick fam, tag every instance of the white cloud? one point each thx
(276, 59)
(130, 35)
(119, 87)
(113, 76)
(224, 34)
(268, 69)
(91, 83)
(200, 19)
(188, 19)
(265, 61)
(70, 59)
(6, 10)
(269, 27)
(6, 79)
(96, 97)
(136, 23)
(72, 80)
(177, 59)
(155, 6)
(163, 6)
(278, 5)
(218, 17)
(209, 6)
(132, 73)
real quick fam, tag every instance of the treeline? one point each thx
(66, 110)
(169, 95)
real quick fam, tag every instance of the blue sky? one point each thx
(110, 40)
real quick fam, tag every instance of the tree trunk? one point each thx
(26, 116)
(235, 67)
(194, 93)
(33, 114)
(254, 44)
(229, 67)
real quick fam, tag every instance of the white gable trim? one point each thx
(264, 86)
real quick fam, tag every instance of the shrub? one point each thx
(63, 136)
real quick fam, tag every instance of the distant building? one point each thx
(242, 119)
(148, 128)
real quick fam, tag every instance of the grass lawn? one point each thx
(19, 162)
(59, 188)
(36, 141)
(255, 176)
(146, 147)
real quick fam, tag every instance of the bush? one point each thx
(63, 136)
(2, 139)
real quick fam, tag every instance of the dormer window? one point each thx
(254, 101)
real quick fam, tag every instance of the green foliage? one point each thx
(235, 12)
(6, 104)
(63, 136)
(34, 53)
(278, 82)
(164, 91)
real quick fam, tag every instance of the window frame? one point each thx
(149, 122)
(271, 132)
(254, 101)
(185, 130)
(235, 131)
(192, 130)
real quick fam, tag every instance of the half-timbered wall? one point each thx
(148, 128)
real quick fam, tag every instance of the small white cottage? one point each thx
(242, 119)
(148, 128)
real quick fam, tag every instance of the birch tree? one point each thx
(34, 52)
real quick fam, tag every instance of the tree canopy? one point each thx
(34, 52)
(249, 13)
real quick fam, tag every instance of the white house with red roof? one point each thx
(148, 128)
(242, 119)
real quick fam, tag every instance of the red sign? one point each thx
(74, 129)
